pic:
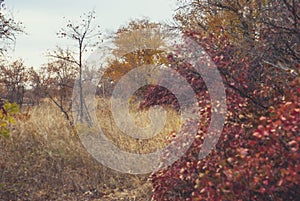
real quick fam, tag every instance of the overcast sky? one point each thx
(43, 18)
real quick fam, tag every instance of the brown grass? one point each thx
(45, 160)
(141, 119)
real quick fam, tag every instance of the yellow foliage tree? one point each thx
(140, 43)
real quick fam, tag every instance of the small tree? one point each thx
(14, 77)
(58, 79)
(86, 36)
(36, 90)
(139, 43)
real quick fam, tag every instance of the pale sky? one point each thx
(43, 19)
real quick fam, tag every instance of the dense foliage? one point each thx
(257, 156)
(260, 163)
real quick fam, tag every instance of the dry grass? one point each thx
(45, 160)
(141, 118)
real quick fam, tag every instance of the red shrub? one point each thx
(257, 156)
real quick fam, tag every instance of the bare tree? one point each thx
(54, 81)
(8, 28)
(86, 36)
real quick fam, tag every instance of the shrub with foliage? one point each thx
(257, 156)
(259, 164)
(7, 112)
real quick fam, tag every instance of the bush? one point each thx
(7, 112)
(256, 158)
(258, 164)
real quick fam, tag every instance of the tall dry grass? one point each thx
(45, 160)
(141, 119)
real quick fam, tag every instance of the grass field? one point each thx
(45, 160)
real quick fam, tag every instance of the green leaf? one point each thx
(5, 132)
(7, 118)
